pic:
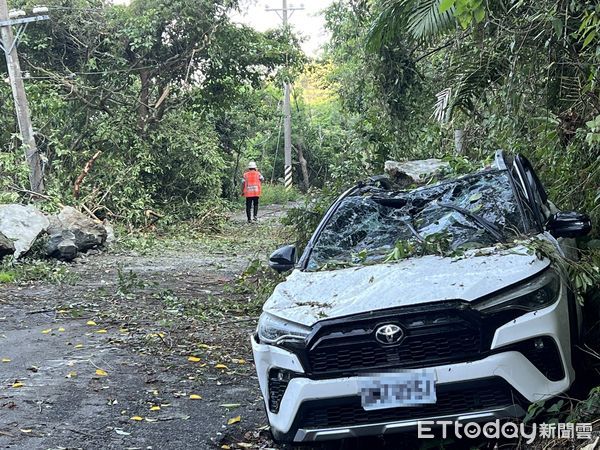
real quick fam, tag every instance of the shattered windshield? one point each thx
(475, 211)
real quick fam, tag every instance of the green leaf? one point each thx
(589, 38)
(556, 407)
(445, 5)
(465, 20)
(479, 14)
(473, 198)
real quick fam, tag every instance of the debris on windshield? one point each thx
(437, 243)
(409, 172)
(375, 225)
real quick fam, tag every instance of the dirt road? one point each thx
(140, 349)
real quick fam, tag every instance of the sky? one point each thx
(309, 23)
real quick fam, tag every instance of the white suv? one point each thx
(421, 305)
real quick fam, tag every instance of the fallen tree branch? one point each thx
(84, 173)
(231, 322)
(27, 191)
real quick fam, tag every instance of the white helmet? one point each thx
(251, 165)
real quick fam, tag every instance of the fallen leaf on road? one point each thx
(121, 432)
(193, 359)
(148, 419)
(234, 420)
(101, 331)
(61, 329)
(23, 430)
(155, 408)
(221, 366)
(123, 330)
(204, 346)
(79, 346)
(244, 445)
(71, 374)
(46, 331)
(91, 322)
(62, 311)
(225, 447)
(195, 397)
(17, 384)
(137, 418)
(6, 360)
(230, 405)
(101, 373)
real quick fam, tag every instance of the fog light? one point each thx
(278, 383)
(540, 297)
(539, 344)
(283, 375)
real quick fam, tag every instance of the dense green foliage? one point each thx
(168, 91)
(520, 76)
(178, 98)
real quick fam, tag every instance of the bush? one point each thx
(276, 194)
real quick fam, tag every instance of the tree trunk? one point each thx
(303, 167)
(143, 110)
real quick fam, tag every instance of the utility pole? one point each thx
(9, 43)
(286, 12)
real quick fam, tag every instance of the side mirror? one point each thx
(569, 224)
(283, 259)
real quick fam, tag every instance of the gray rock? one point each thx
(417, 171)
(88, 233)
(67, 249)
(7, 247)
(110, 232)
(62, 244)
(22, 224)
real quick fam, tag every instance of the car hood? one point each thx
(308, 297)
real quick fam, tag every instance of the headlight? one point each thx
(272, 329)
(532, 295)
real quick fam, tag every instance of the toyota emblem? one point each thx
(389, 334)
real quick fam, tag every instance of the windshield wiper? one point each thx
(483, 223)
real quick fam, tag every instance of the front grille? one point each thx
(452, 399)
(438, 336)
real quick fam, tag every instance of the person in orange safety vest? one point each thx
(251, 189)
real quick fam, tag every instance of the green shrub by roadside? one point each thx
(30, 270)
(276, 194)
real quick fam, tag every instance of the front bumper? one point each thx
(522, 376)
(378, 429)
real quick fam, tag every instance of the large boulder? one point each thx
(62, 245)
(22, 225)
(7, 246)
(71, 231)
(409, 172)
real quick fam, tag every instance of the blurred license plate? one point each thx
(392, 390)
